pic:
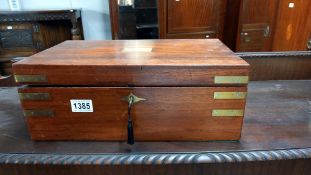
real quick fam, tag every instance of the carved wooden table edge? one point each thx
(12, 16)
(274, 54)
(46, 15)
(155, 158)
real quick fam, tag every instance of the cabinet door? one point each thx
(293, 26)
(191, 16)
(256, 25)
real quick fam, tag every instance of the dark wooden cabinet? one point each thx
(293, 26)
(193, 18)
(256, 24)
(142, 19)
(27, 38)
(24, 33)
(243, 25)
(136, 19)
(274, 25)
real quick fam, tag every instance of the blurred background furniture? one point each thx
(294, 65)
(167, 19)
(274, 25)
(134, 19)
(24, 33)
(243, 25)
(192, 18)
(5, 76)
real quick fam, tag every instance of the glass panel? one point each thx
(138, 19)
(16, 38)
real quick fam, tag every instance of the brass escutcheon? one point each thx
(131, 98)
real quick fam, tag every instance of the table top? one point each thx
(277, 125)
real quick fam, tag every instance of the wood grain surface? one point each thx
(276, 117)
(105, 63)
(276, 123)
(293, 26)
(195, 16)
(278, 65)
(189, 52)
(191, 19)
(255, 16)
(167, 114)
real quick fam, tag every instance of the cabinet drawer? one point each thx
(207, 35)
(166, 113)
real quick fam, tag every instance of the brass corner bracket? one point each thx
(38, 113)
(231, 79)
(30, 78)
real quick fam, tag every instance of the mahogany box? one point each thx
(147, 90)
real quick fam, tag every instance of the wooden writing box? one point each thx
(180, 90)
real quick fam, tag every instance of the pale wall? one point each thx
(95, 14)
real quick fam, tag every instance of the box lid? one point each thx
(186, 62)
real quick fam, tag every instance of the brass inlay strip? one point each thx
(228, 113)
(231, 80)
(38, 112)
(29, 78)
(34, 96)
(229, 95)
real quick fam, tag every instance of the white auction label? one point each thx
(80, 105)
